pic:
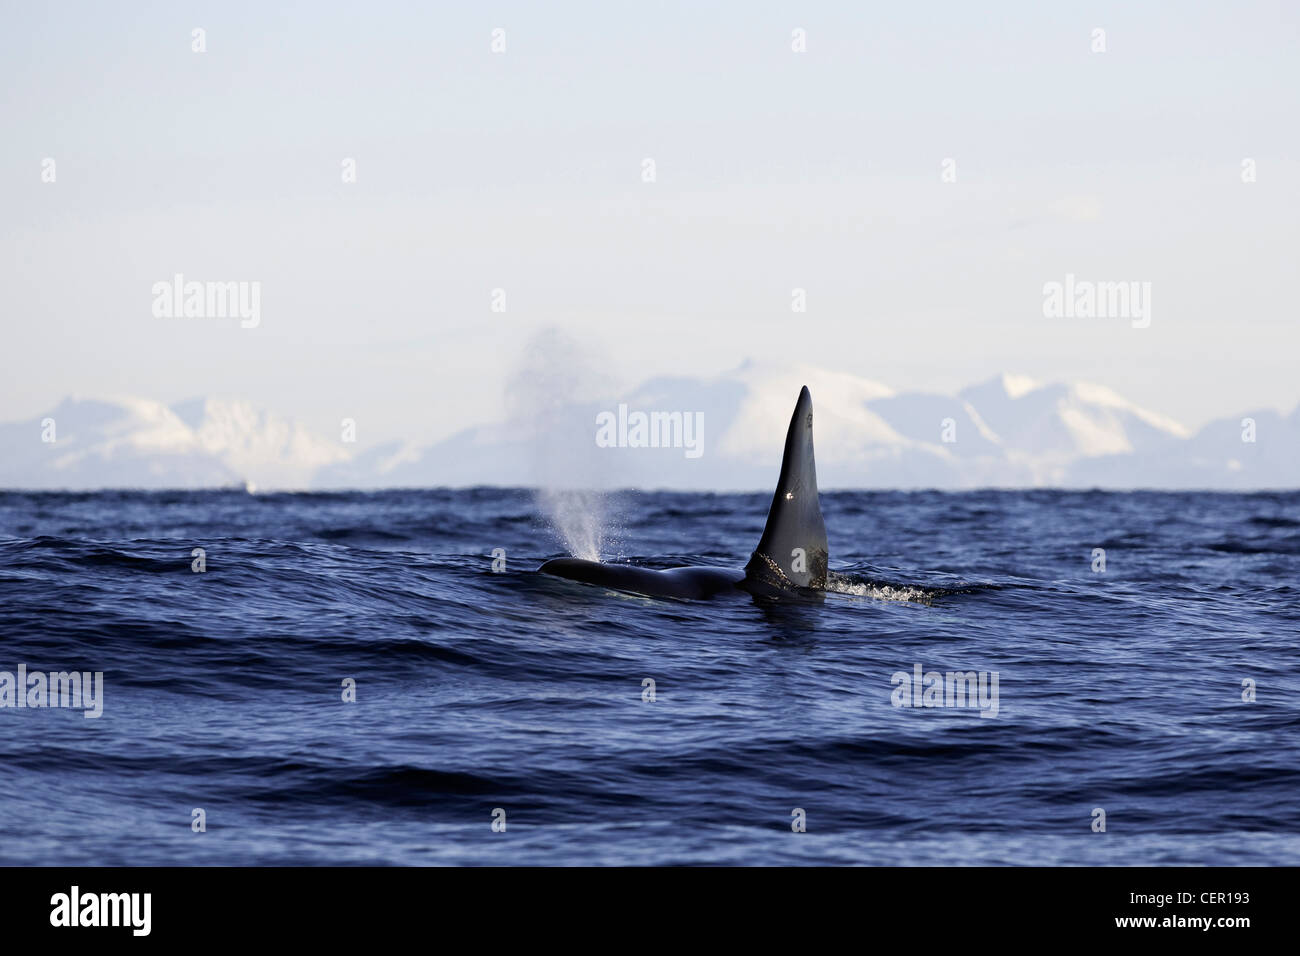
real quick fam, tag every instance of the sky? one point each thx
(524, 170)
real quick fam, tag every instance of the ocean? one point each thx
(383, 678)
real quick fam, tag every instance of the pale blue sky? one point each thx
(522, 171)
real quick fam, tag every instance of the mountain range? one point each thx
(1009, 431)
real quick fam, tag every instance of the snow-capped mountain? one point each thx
(265, 450)
(1010, 431)
(139, 443)
(1254, 450)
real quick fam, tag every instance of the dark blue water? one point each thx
(1120, 690)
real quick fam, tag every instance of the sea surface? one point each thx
(489, 695)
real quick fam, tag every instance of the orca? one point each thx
(791, 557)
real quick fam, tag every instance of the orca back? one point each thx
(690, 582)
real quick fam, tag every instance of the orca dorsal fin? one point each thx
(793, 551)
